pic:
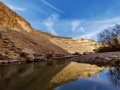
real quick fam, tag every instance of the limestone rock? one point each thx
(12, 56)
(30, 58)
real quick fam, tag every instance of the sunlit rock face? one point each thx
(74, 70)
(77, 45)
(11, 20)
(20, 32)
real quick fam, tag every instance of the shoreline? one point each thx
(100, 59)
(13, 62)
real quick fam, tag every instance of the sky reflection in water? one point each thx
(59, 75)
(103, 81)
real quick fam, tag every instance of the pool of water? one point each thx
(59, 75)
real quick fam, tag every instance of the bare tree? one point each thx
(105, 36)
(110, 36)
(116, 34)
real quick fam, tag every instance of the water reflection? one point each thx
(102, 81)
(114, 76)
(34, 76)
(74, 70)
(57, 75)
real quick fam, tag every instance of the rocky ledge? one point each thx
(101, 59)
(21, 56)
(11, 62)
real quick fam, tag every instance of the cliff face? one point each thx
(77, 45)
(37, 42)
(23, 36)
(11, 20)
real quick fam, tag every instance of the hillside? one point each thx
(12, 20)
(77, 45)
(19, 32)
(37, 42)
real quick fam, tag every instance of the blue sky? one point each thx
(71, 18)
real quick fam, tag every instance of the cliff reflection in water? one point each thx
(44, 75)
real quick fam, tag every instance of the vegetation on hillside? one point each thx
(110, 39)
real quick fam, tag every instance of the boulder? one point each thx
(30, 58)
(2, 56)
(11, 55)
(26, 52)
(40, 58)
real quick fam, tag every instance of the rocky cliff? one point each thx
(17, 30)
(12, 20)
(22, 35)
(75, 45)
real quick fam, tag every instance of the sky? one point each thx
(70, 18)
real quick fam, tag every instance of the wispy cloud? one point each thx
(96, 26)
(89, 35)
(49, 23)
(16, 8)
(53, 7)
(81, 29)
(75, 24)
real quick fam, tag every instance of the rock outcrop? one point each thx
(16, 34)
(12, 20)
(22, 35)
(75, 45)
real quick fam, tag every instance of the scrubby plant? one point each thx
(49, 55)
(76, 53)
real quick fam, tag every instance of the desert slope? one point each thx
(12, 20)
(34, 41)
(20, 32)
(77, 45)
(23, 36)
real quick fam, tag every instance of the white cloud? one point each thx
(94, 27)
(76, 27)
(75, 24)
(53, 7)
(81, 29)
(49, 23)
(16, 8)
(89, 35)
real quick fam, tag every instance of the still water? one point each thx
(59, 75)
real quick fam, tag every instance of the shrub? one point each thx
(49, 55)
(76, 53)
